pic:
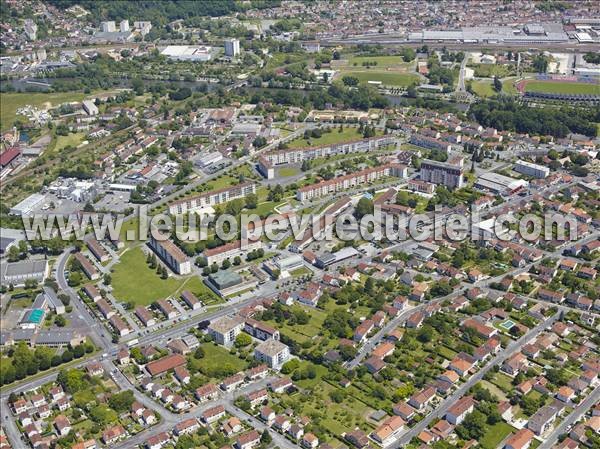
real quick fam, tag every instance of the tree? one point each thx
(337, 395)
(363, 207)
(266, 438)
(74, 279)
(60, 321)
(349, 80)
(138, 86)
(199, 353)
(473, 426)
(497, 84)
(242, 340)
(102, 415)
(65, 299)
(121, 402)
(259, 142)
(540, 63)
(251, 201)
(13, 254)
(72, 380)
(408, 54)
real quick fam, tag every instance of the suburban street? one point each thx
(580, 410)
(226, 400)
(497, 360)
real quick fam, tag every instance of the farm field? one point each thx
(562, 87)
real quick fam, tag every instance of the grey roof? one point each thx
(5, 242)
(52, 298)
(542, 416)
(549, 32)
(225, 278)
(56, 336)
(24, 268)
(17, 270)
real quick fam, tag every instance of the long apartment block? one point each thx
(340, 183)
(212, 198)
(298, 155)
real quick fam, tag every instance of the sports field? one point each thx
(558, 87)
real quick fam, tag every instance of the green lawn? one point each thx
(563, 87)
(495, 390)
(382, 61)
(72, 140)
(287, 171)
(215, 358)
(10, 102)
(130, 225)
(348, 134)
(133, 280)
(503, 382)
(222, 182)
(445, 352)
(386, 78)
(485, 89)
(265, 208)
(491, 70)
(336, 418)
(495, 434)
(302, 271)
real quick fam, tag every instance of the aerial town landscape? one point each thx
(280, 224)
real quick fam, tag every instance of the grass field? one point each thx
(382, 61)
(495, 434)
(485, 89)
(562, 88)
(216, 357)
(10, 102)
(491, 70)
(334, 136)
(386, 78)
(133, 280)
(494, 390)
(302, 271)
(72, 140)
(285, 172)
(503, 382)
